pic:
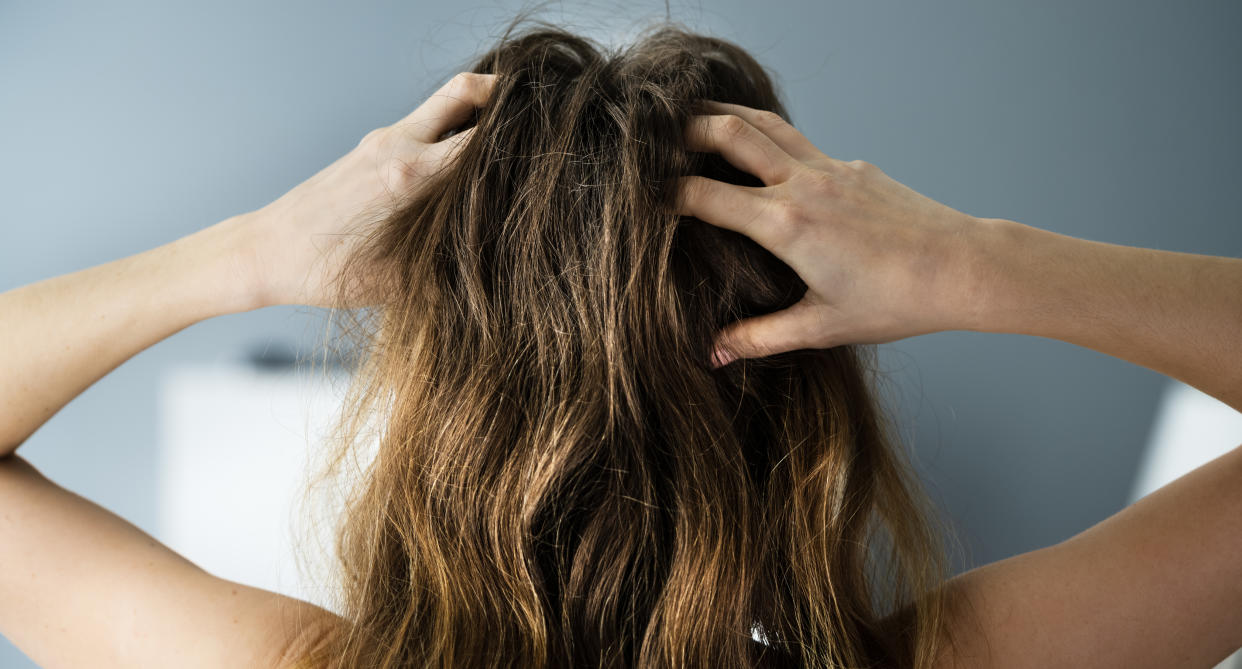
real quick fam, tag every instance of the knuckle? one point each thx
(786, 215)
(731, 125)
(860, 166)
(769, 119)
(465, 85)
(375, 138)
(399, 174)
(823, 183)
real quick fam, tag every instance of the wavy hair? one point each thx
(561, 478)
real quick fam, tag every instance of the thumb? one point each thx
(785, 330)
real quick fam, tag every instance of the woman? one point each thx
(616, 316)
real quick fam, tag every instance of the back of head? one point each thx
(562, 479)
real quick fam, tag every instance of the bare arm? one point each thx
(1157, 585)
(62, 334)
(1179, 314)
(79, 587)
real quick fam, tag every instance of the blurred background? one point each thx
(126, 125)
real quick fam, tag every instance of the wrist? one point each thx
(231, 257)
(995, 250)
(1027, 280)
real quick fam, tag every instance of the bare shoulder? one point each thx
(238, 625)
(1158, 584)
(283, 629)
(81, 587)
(312, 627)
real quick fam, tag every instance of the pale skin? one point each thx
(1159, 584)
(79, 586)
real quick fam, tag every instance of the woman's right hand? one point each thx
(881, 262)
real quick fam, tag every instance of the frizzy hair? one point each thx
(561, 478)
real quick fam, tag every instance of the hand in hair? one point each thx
(303, 236)
(881, 261)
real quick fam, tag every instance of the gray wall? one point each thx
(127, 125)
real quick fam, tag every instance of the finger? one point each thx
(405, 175)
(773, 125)
(780, 331)
(448, 107)
(738, 208)
(742, 145)
(447, 149)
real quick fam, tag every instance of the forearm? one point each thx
(1179, 314)
(60, 335)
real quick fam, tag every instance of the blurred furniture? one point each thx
(235, 446)
(1190, 429)
(236, 439)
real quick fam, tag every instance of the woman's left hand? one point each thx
(297, 243)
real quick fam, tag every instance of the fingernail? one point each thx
(721, 357)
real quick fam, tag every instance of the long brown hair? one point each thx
(562, 480)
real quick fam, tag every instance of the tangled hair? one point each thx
(562, 480)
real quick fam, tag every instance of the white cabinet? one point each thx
(235, 442)
(1190, 429)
